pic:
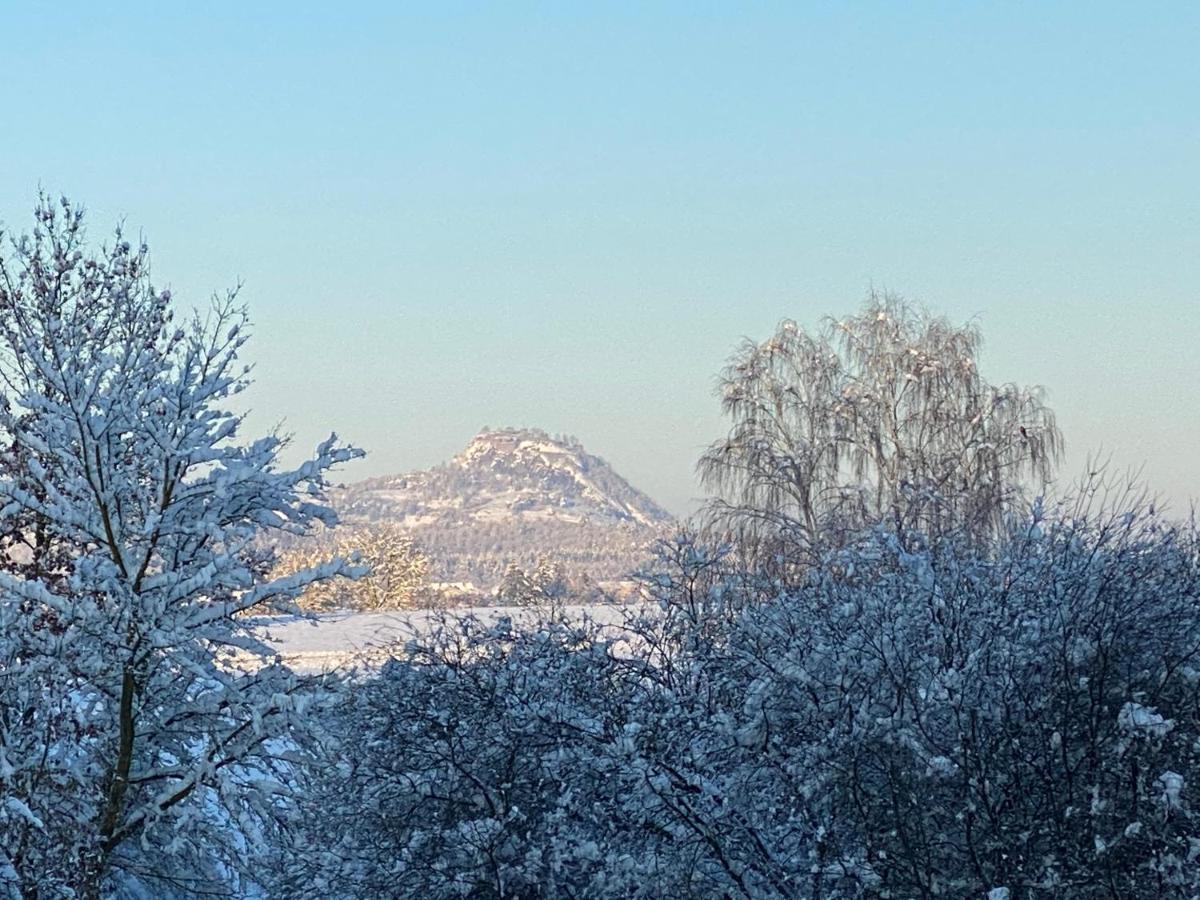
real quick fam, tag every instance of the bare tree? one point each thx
(399, 570)
(880, 416)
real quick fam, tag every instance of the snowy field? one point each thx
(353, 638)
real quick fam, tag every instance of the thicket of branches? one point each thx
(907, 723)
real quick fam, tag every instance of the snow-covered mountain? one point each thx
(515, 495)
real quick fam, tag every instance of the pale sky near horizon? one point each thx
(567, 216)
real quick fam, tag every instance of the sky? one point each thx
(568, 216)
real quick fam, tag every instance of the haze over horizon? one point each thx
(568, 218)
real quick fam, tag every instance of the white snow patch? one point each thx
(1135, 717)
(341, 639)
(1172, 785)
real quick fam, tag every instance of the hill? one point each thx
(514, 496)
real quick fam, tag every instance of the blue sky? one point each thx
(567, 216)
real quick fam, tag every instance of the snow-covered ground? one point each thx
(349, 638)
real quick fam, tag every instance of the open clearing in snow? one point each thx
(357, 638)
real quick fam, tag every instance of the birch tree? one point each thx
(879, 416)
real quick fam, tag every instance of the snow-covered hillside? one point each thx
(514, 496)
(512, 474)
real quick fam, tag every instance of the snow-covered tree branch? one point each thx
(130, 510)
